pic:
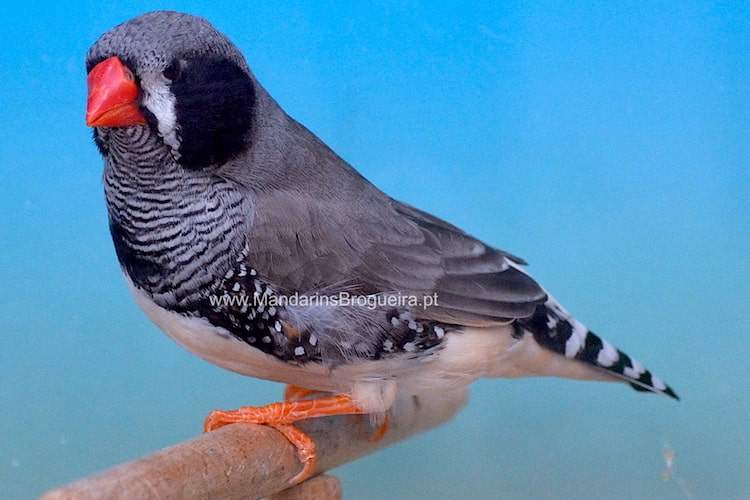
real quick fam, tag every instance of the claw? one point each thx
(305, 451)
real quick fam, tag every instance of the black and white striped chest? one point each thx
(175, 232)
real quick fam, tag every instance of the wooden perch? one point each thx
(245, 461)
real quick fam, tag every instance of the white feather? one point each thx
(465, 356)
(161, 102)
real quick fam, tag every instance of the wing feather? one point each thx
(384, 246)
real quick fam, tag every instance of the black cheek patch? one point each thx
(214, 101)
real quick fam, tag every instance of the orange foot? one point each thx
(281, 416)
(295, 393)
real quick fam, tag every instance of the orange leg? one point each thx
(295, 393)
(282, 416)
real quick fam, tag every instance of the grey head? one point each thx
(196, 90)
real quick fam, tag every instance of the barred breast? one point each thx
(175, 232)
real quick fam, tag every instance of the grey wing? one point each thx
(377, 245)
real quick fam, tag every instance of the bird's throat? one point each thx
(175, 230)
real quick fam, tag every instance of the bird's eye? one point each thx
(172, 72)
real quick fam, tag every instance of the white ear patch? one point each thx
(161, 102)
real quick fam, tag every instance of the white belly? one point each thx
(221, 348)
(466, 356)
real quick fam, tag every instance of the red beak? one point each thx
(113, 96)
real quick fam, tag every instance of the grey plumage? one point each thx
(288, 208)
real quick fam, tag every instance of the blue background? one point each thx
(607, 143)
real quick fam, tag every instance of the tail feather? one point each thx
(555, 329)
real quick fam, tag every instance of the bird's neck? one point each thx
(176, 231)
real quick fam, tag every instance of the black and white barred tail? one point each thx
(555, 329)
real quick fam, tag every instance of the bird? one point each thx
(251, 243)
